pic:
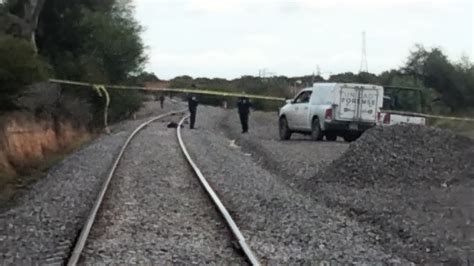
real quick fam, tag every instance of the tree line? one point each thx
(99, 41)
(92, 40)
(447, 86)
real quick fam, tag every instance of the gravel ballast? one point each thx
(156, 212)
(43, 223)
(410, 187)
(282, 225)
(298, 157)
(397, 195)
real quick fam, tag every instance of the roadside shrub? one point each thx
(123, 104)
(20, 66)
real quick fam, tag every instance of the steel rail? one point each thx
(228, 218)
(81, 241)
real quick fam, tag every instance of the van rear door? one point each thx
(348, 104)
(358, 103)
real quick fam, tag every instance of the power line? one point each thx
(364, 66)
(264, 73)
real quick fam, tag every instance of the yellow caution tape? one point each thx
(216, 93)
(100, 89)
(229, 94)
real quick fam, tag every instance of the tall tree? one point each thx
(91, 40)
(437, 72)
(20, 18)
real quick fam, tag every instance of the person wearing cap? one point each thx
(192, 105)
(243, 106)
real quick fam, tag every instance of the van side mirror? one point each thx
(289, 101)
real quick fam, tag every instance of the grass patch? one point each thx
(464, 128)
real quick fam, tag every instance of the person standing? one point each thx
(162, 100)
(192, 105)
(243, 106)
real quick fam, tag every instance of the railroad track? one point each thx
(81, 241)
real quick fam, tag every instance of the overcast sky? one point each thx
(230, 38)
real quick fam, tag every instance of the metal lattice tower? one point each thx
(364, 66)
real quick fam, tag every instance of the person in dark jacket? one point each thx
(162, 100)
(192, 105)
(243, 106)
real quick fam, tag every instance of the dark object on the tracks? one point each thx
(172, 125)
(162, 100)
(192, 105)
(243, 106)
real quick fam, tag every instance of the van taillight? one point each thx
(328, 114)
(378, 117)
(386, 118)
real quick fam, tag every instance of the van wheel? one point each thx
(285, 132)
(316, 132)
(331, 136)
(351, 136)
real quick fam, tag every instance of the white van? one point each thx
(331, 110)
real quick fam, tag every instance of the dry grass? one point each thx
(12, 185)
(29, 147)
(463, 128)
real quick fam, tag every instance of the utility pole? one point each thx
(364, 66)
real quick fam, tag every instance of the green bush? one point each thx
(19, 67)
(123, 104)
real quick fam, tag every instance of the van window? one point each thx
(303, 97)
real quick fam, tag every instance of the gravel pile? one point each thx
(41, 226)
(404, 154)
(424, 214)
(413, 184)
(282, 225)
(155, 211)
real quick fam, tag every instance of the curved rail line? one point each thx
(230, 222)
(82, 239)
